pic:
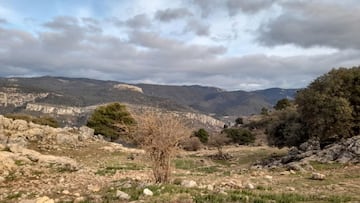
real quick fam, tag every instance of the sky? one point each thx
(230, 44)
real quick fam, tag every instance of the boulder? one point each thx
(148, 192)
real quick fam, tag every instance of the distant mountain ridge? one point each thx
(81, 92)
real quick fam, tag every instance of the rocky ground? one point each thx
(80, 167)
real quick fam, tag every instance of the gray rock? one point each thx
(317, 176)
(122, 195)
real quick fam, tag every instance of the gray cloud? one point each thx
(197, 27)
(205, 6)
(68, 47)
(314, 23)
(168, 15)
(139, 21)
(253, 6)
(3, 21)
(136, 22)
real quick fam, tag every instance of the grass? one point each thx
(326, 166)
(111, 170)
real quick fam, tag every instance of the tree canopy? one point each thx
(111, 121)
(330, 106)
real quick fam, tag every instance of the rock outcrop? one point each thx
(12, 96)
(21, 132)
(344, 151)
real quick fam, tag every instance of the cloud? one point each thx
(253, 6)
(197, 28)
(3, 21)
(206, 7)
(310, 24)
(169, 14)
(139, 21)
(136, 22)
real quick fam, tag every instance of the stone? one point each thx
(94, 188)
(188, 183)
(148, 192)
(65, 192)
(269, 178)
(317, 176)
(44, 199)
(249, 186)
(79, 199)
(290, 188)
(285, 173)
(122, 195)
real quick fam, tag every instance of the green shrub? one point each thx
(112, 121)
(202, 134)
(285, 128)
(240, 135)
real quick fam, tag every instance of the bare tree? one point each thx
(219, 141)
(159, 135)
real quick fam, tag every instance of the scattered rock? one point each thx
(44, 199)
(290, 188)
(317, 176)
(65, 192)
(122, 195)
(148, 192)
(79, 199)
(285, 173)
(94, 188)
(249, 186)
(269, 178)
(188, 183)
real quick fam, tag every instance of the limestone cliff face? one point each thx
(52, 109)
(128, 87)
(11, 96)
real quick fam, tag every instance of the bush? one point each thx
(191, 144)
(282, 104)
(240, 135)
(285, 128)
(112, 121)
(159, 135)
(202, 134)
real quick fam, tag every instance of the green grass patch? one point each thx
(111, 170)
(325, 166)
(186, 164)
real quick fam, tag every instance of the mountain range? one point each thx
(82, 92)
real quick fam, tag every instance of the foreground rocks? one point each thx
(345, 151)
(22, 133)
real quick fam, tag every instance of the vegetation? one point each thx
(330, 106)
(112, 121)
(202, 134)
(285, 128)
(240, 136)
(328, 109)
(191, 144)
(159, 135)
(46, 120)
(282, 104)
